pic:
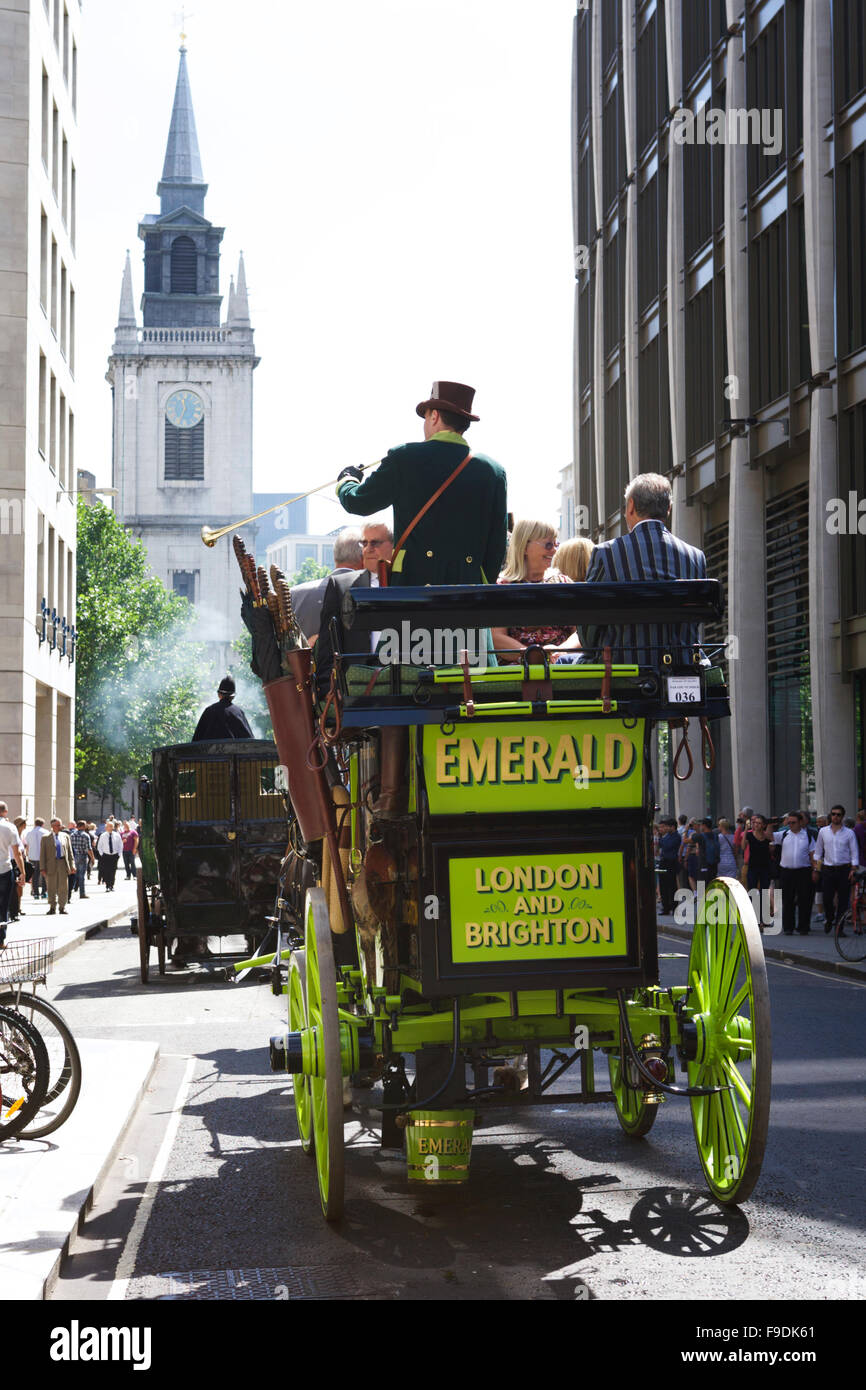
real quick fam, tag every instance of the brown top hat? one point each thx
(449, 395)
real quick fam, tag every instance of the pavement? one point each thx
(82, 918)
(817, 951)
(46, 1185)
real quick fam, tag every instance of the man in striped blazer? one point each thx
(649, 551)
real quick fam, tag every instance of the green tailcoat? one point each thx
(462, 538)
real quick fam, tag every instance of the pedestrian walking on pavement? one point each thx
(727, 852)
(82, 853)
(56, 864)
(129, 836)
(11, 858)
(836, 857)
(32, 843)
(109, 849)
(795, 874)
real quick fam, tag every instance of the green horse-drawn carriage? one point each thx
(506, 922)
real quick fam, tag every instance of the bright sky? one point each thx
(397, 174)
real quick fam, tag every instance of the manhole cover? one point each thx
(283, 1283)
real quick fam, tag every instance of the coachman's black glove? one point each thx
(351, 472)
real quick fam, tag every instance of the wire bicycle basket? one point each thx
(26, 960)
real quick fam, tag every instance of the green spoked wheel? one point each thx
(297, 1022)
(326, 1082)
(636, 1117)
(729, 1005)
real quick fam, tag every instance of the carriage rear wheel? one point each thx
(297, 1022)
(634, 1114)
(729, 1003)
(144, 929)
(326, 1086)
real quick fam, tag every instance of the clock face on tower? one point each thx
(184, 409)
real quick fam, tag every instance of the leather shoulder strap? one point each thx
(429, 503)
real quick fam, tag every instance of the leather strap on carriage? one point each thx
(606, 679)
(684, 746)
(468, 699)
(333, 701)
(385, 567)
(535, 655)
(708, 750)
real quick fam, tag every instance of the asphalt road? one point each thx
(212, 1197)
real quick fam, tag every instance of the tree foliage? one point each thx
(310, 569)
(137, 677)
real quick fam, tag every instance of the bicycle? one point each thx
(24, 1073)
(29, 962)
(850, 933)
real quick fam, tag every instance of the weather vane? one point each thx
(183, 17)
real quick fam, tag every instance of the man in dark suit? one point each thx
(224, 719)
(649, 551)
(358, 643)
(307, 598)
(462, 538)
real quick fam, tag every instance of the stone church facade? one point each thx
(182, 390)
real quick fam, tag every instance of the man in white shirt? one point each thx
(10, 850)
(796, 874)
(32, 844)
(836, 857)
(109, 847)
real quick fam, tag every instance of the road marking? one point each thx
(126, 1263)
(804, 970)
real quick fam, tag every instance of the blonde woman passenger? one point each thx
(531, 549)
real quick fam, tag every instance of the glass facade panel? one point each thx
(792, 762)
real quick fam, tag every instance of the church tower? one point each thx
(182, 388)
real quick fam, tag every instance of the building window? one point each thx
(583, 76)
(587, 495)
(613, 292)
(768, 315)
(184, 453)
(72, 203)
(765, 86)
(849, 26)
(700, 394)
(184, 266)
(647, 103)
(43, 263)
(852, 474)
(305, 552)
(792, 763)
(54, 287)
(648, 239)
(43, 404)
(55, 152)
(46, 127)
(52, 423)
(64, 312)
(328, 556)
(183, 583)
(615, 448)
(64, 175)
(851, 255)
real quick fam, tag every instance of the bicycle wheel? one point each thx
(852, 945)
(24, 1071)
(64, 1060)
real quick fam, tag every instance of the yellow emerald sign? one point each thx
(538, 907)
(545, 766)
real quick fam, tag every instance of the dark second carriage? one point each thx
(214, 832)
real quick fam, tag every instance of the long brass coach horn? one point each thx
(210, 536)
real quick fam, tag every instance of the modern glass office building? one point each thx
(719, 170)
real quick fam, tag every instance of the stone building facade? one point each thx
(719, 171)
(39, 158)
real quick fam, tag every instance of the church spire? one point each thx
(182, 183)
(126, 314)
(239, 305)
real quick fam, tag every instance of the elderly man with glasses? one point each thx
(836, 857)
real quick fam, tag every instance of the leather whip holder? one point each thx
(683, 748)
(290, 702)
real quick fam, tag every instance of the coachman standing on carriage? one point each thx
(450, 520)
